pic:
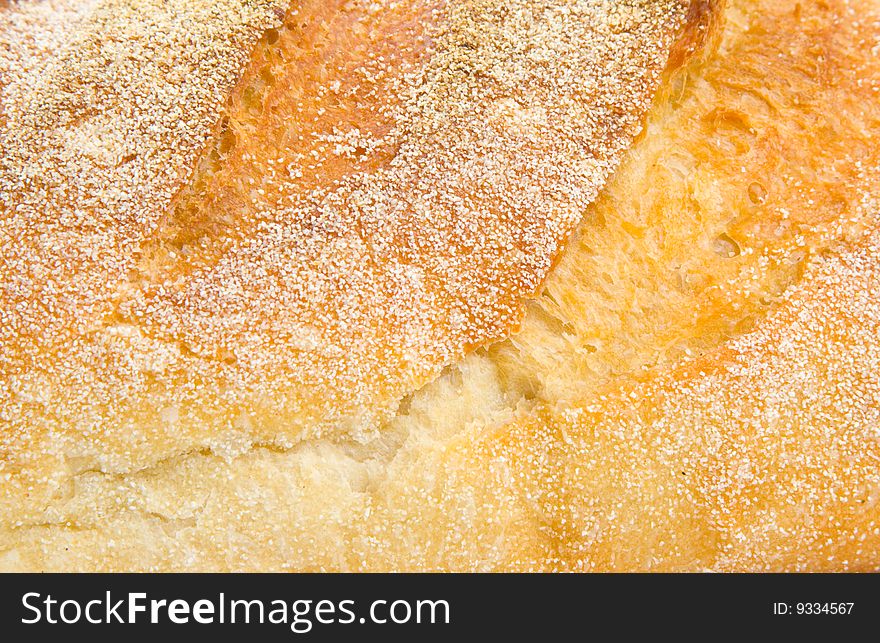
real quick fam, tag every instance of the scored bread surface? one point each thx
(694, 388)
(389, 182)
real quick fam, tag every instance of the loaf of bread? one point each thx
(440, 285)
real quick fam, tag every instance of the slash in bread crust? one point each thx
(390, 182)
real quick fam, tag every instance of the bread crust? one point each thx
(389, 183)
(694, 389)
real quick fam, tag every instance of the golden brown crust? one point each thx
(695, 389)
(392, 182)
(105, 107)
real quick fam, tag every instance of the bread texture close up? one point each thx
(465, 285)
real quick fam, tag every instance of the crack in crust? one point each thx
(392, 182)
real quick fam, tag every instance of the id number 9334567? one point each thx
(816, 608)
